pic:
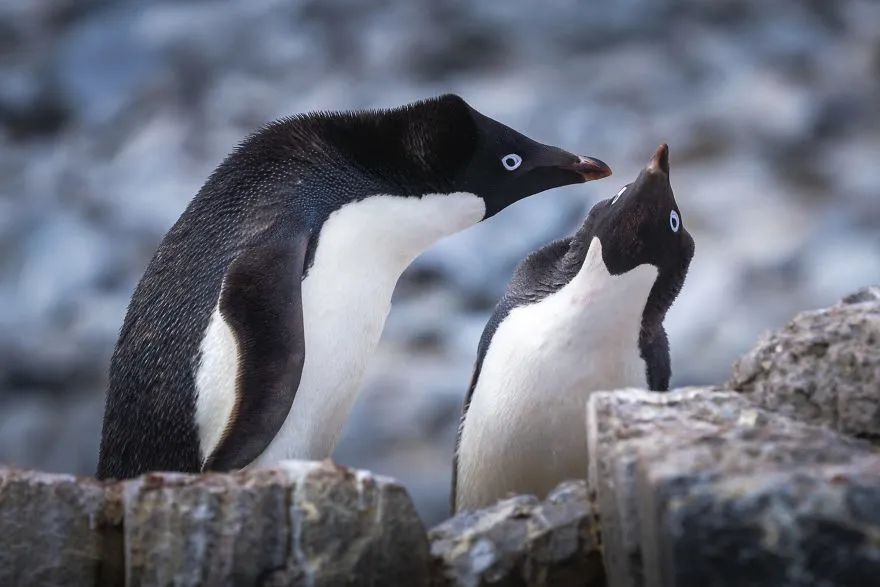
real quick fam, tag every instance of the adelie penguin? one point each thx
(581, 314)
(247, 338)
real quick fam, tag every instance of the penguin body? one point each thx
(246, 339)
(581, 314)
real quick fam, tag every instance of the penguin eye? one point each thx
(674, 221)
(617, 196)
(511, 161)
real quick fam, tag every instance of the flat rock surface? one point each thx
(521, 541)
(823, 367)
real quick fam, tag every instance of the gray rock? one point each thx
(56, 530)
(648, 452)
(805, 526)
(521, 541)
(823, 367)
(615, 422)
(301, 523)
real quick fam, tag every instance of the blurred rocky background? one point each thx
(112, 114)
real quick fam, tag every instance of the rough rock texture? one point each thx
(823, 367)
(521, 541)
(56, 529)
(300, 523)
(669, 470)
(804, 526)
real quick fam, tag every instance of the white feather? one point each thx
(215, 383)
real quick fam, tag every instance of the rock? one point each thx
(521, 541)
(300, 523)
(614, 421)
(650, 454)
(57, 530)
(805, 526)
(823, 367)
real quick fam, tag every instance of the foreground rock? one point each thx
(698, 487)
(56, 530)
(521, 541)
(301, 523)
(823, 367)
(297, 524)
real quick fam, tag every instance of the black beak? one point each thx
(660, 160)
(589, 168)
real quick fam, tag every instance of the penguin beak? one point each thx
(589, 168)
(660, 161)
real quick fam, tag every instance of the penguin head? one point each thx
(442, 145)
(642, 224)
(504, 166)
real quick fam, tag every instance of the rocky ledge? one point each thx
(772, 479)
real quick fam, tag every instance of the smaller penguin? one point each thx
(581, 314)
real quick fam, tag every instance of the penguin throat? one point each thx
(362, 249)
(389, 231)
(624, 296)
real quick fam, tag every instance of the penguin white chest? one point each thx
(524, 430)
(362, 249)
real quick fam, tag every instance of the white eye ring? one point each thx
(674, 221)
(511, 161)
(617, 196)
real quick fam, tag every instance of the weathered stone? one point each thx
(823, 367)
(614, 421)
(54, 530)
(804, 526)
(647, 451)
(521, 541)
(300, 523)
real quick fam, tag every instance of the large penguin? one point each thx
(247, 337)
(581, 314)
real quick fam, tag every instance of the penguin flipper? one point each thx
(261, 300)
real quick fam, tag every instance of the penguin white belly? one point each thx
(362, 249)
(525, 430)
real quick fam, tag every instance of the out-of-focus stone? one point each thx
(521, 541)
(649, 452)
(299, 523)
(55, 530)
(823, 367)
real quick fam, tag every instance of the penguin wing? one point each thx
(261, 300)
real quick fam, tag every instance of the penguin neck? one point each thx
(382, 234)
(361, 251)
(612, 301)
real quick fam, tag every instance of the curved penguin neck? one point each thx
(611, 299)
(361, 251)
